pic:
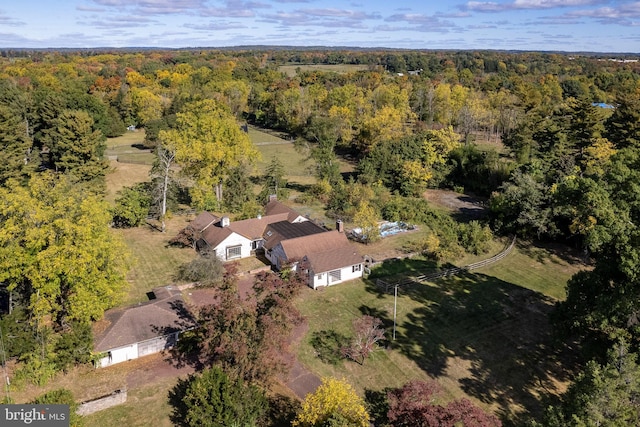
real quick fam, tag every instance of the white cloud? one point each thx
(489, 6)
(215, 26)
(9, 21)
(154, 7)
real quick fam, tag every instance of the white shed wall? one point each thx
(324, 279)
(234, 240)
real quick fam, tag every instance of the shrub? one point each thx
(132, 206)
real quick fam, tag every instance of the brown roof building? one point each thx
(286, 236)
(147, 328)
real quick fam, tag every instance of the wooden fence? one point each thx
(389, 287)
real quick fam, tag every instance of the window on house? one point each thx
(335, 275)
(319, 276)
(254, 245)
(269, 233)
(234, 252)
(357, 267)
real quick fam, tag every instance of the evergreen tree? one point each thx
(213, 399)
(602, 395)
(273, 181)
(78, 149)
(16, 147)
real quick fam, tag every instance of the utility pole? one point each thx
(395, 307)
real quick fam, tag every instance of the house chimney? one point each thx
(340, 226)
(224, 221)
(272, 197)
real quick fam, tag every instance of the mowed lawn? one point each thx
(482, 335)
(155, 262)
(129, 148)
(290, 70)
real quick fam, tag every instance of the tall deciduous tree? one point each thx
(56, 250)
(246, 338)
(163, 175)
(335, 402)
(208, 143)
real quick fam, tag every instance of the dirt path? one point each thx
(464, 204)
(155, 368)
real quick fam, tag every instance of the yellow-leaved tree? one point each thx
(57, 251)
(334, 401)
(208, 143)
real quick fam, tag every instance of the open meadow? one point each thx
(482, 335)
(290, 70)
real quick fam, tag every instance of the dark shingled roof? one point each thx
(284, 230)
(164, 315)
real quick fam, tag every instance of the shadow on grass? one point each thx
(546, 252)
(328, 344)
(401, 268)
(490, 335)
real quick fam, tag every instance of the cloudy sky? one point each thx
(565, 25)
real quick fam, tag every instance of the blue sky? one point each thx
(563, 25)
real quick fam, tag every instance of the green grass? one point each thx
(145, 406)
(482, 335)
(290, 70)
(127, 139)
(128, 148)
(155, 263)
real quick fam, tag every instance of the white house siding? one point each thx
(119, 355)
(275, 255)
(327, 279)
(234, 240)
(156, 345)
(139, 349)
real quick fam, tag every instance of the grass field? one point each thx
(155, 263)
(128, 148)
(482, 335)
(290, 70)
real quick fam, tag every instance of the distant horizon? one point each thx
(313, 47)
(568, 26)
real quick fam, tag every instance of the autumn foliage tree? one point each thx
(56, 250)
(246, 337)
(367, 334)
(208, 143)
(335, 402)
(413, 405)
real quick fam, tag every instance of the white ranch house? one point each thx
(285, 236)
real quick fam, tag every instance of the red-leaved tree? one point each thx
(246, 337)
(367, 333)
(413, 406)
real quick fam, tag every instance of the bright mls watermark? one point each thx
(34, 415)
